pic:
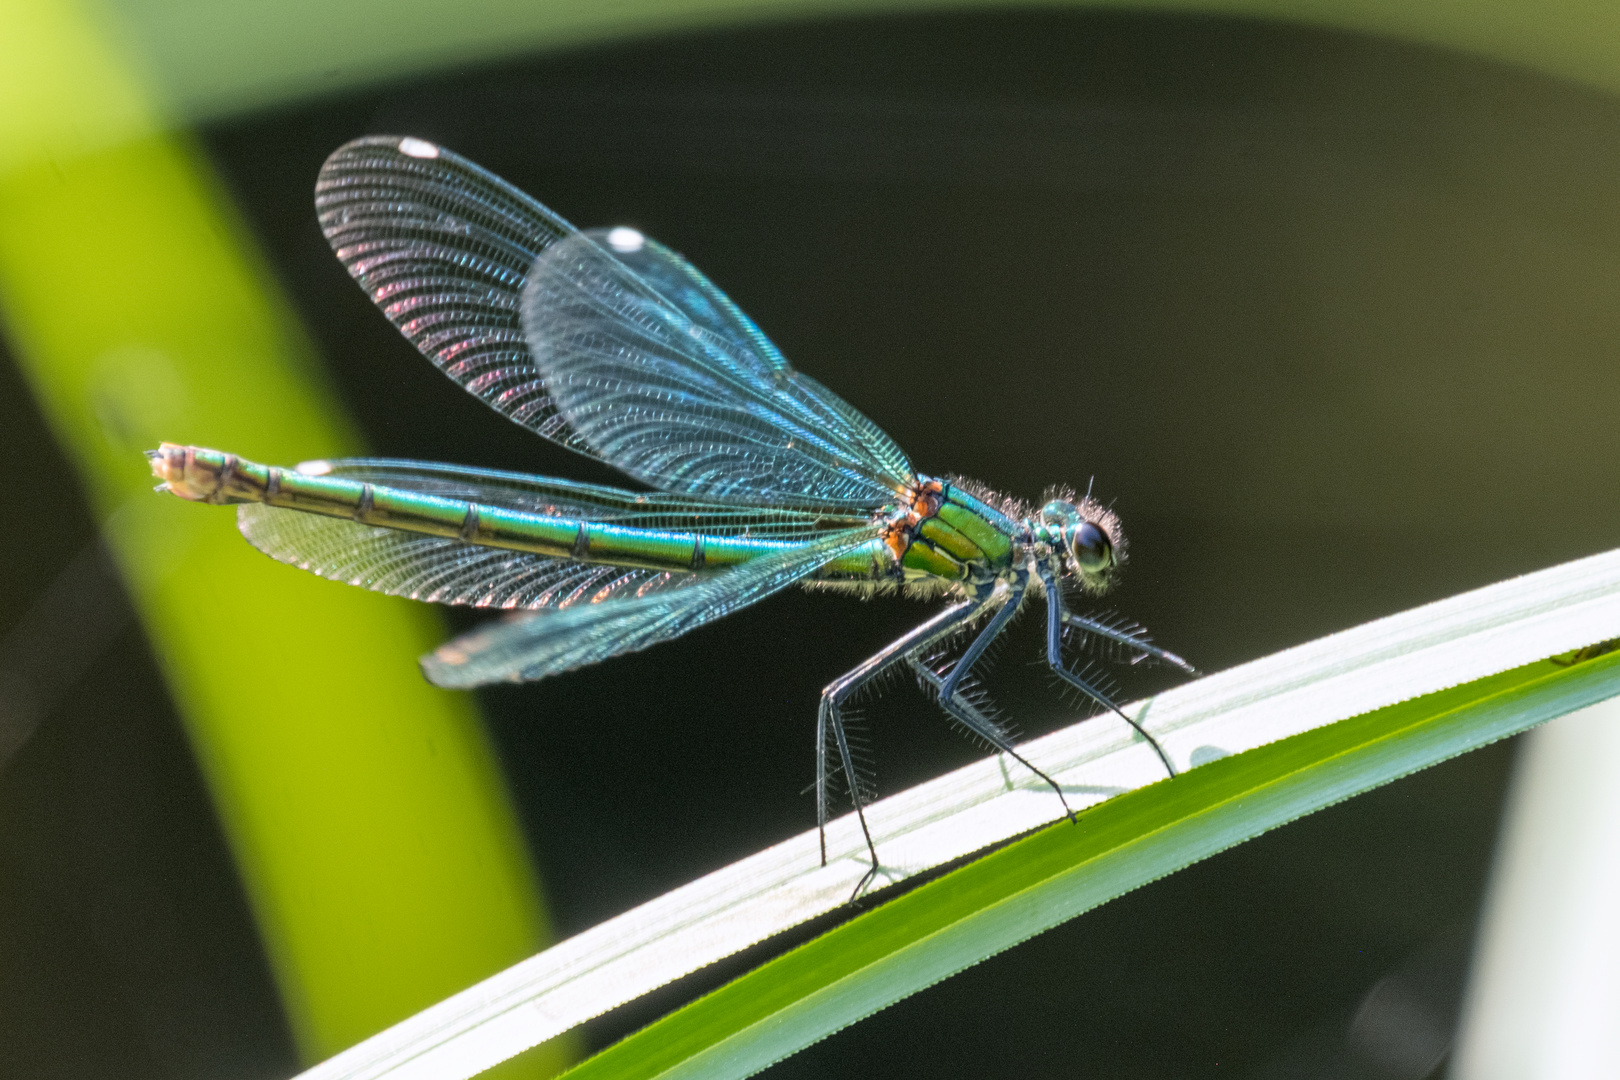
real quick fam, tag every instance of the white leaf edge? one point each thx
(1389, 660)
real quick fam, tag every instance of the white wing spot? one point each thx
(625, 239)
(313, 468)
(418, 148)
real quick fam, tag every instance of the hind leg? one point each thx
(830, 734)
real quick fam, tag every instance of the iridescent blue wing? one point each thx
(448, 571)
(687, 403)
(690, 292)
(645, 364)
(554, 641)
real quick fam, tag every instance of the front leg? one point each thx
(1055, 618)
(1145, 649)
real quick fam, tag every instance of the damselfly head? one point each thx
(1091, 539)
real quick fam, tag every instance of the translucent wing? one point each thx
(551, 642)
(649, 367)
(441, 570)
(690, 292)
(443, 248)
(680, 396)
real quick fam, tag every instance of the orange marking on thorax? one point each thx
(925, 501)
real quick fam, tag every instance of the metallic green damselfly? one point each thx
(613, 345)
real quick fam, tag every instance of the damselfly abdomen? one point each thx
(612, 345)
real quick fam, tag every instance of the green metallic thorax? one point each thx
(953, 535)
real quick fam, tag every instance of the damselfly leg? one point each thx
(830, 720)
(948, 691)
(1057, 615)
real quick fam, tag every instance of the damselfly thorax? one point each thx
(614, 346)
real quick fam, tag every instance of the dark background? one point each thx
(1330, 319)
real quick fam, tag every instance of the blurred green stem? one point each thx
(364, 807)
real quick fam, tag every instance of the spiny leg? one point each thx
(963, 712)
(998, 623)
(829, 717)
(1133, 641)
(1055, 618)
(948, 689)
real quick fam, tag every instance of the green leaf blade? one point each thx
(1063, 871)
(1475, 661)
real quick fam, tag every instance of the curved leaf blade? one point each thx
(1463, 645)
(1063, 871)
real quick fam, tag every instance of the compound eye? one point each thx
(1091, 548)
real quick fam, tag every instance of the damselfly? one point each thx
(613, 345)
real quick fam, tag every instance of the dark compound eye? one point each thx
(1091, 547)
